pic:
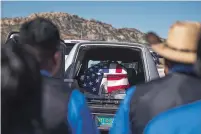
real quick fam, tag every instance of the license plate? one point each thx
(104, 120)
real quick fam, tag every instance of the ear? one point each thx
(57, 63)
(165, 70)
(57, 57)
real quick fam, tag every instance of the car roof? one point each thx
(113, 43)
(75, 41)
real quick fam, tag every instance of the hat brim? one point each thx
(174, 55)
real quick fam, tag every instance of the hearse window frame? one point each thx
(138, 48)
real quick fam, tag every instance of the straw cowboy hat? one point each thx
(181, 44)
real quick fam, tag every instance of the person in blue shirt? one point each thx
(63, 110)
(180, 86)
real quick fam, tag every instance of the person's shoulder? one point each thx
(55, 83)
(77, 98)
(150, 88)
(55, 97)
(77, 104)
(56, 88)
(154, 83)
(162, 85)
(51, 80)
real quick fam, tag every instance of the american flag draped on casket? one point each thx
(110, 76)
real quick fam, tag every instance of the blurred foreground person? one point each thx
(20, 91)
(184, 119)
(62, 107)
(181, 86)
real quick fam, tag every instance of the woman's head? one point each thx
(20, 84)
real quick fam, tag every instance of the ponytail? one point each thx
(21, 84)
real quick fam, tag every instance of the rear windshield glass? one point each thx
(129, 58)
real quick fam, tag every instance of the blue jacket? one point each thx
(79, 116)
(183, 119)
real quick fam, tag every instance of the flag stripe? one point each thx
(114, 88)
(116, 77)
(118, 68)
(112, 68)
(123, 81)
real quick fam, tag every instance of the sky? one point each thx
(144, 16)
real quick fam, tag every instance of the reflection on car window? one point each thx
(92, 63)
(66, 56)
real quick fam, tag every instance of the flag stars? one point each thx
(82, 78)
(97, 80)
(90, 83)
(93, 89)
(84, 84)
(92, 78)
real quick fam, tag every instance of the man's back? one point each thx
(160, 95)
(55, 97)
(182, 86)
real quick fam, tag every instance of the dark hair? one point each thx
(21, 87)
(41, 34)
(198, 62)
(153, 34)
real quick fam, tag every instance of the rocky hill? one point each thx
(74, 27)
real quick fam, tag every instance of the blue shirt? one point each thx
(45, 73)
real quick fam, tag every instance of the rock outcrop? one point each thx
(75, 27)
